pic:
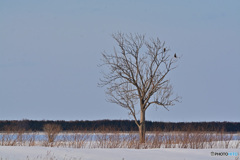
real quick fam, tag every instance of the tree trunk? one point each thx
(142, 128)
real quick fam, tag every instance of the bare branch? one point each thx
(137, 73)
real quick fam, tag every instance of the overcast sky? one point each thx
(50, 49)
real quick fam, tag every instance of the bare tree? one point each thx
(51, 131)
(137, 75)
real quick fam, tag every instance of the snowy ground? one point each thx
(45, 153)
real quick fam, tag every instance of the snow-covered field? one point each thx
(46, 153)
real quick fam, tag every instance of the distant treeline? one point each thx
(119, 125)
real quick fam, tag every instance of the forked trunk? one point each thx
(142, 128)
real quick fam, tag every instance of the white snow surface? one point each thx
(38, 153)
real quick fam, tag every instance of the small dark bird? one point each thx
(164, 49)
(175, 55)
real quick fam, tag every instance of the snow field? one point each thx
(53, 153)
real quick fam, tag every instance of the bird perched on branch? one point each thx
(175, 55)
(164, 49)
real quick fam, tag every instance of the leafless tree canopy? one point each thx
(51, 130)
(137, 73)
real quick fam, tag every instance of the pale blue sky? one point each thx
(49, 52)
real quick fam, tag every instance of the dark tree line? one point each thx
(119, 125)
